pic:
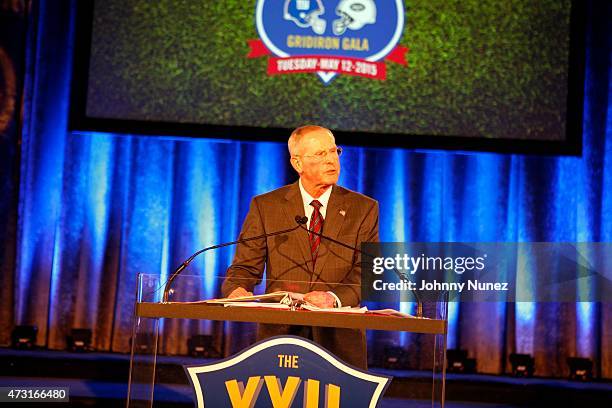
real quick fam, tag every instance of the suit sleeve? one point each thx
(350, 294)
(249, 261)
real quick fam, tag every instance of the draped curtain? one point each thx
(95, 209)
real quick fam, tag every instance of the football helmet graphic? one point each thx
(354, 14)
(306, 13)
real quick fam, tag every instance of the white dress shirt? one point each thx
(307, 199)
(309, 209)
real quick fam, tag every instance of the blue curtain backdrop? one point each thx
(95, 209)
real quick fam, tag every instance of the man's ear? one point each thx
(296, 164)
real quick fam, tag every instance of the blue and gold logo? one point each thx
(329, 37)
(285, 371)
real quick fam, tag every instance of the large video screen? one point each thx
(385, 72)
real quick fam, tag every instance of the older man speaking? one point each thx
(328, 274)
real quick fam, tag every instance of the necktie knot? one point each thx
(316, 204)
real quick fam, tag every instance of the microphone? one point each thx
(302, 220)
(298, 219)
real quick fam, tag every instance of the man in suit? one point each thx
(328, 274)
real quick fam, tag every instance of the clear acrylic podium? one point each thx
(150, 381)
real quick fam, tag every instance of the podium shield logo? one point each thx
(286, 371)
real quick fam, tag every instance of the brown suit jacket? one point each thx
(351, 218)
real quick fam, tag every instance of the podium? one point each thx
(150, 315)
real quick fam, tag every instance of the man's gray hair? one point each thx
(298, 134)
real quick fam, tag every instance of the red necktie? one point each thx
(316, 225)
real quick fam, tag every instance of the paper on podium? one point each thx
(281, 300)
(294, 301)
(343, 309)
(282, 297)
(258, 304)
(391, 312)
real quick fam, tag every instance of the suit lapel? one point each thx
(294, 205)
(334, 218)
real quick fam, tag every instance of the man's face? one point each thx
(317, 161)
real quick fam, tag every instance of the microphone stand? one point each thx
(302, 220)
(182, 266)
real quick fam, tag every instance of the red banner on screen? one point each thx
(317, 63)
(324, 63)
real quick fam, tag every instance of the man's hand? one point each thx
(320, 299)
(239, 292)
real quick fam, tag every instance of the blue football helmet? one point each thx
(306, 13)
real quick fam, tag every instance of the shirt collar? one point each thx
(307, 198)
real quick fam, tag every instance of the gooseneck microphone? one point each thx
(301, 224)
(299, 219)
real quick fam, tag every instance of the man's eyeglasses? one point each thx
(322, 154)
